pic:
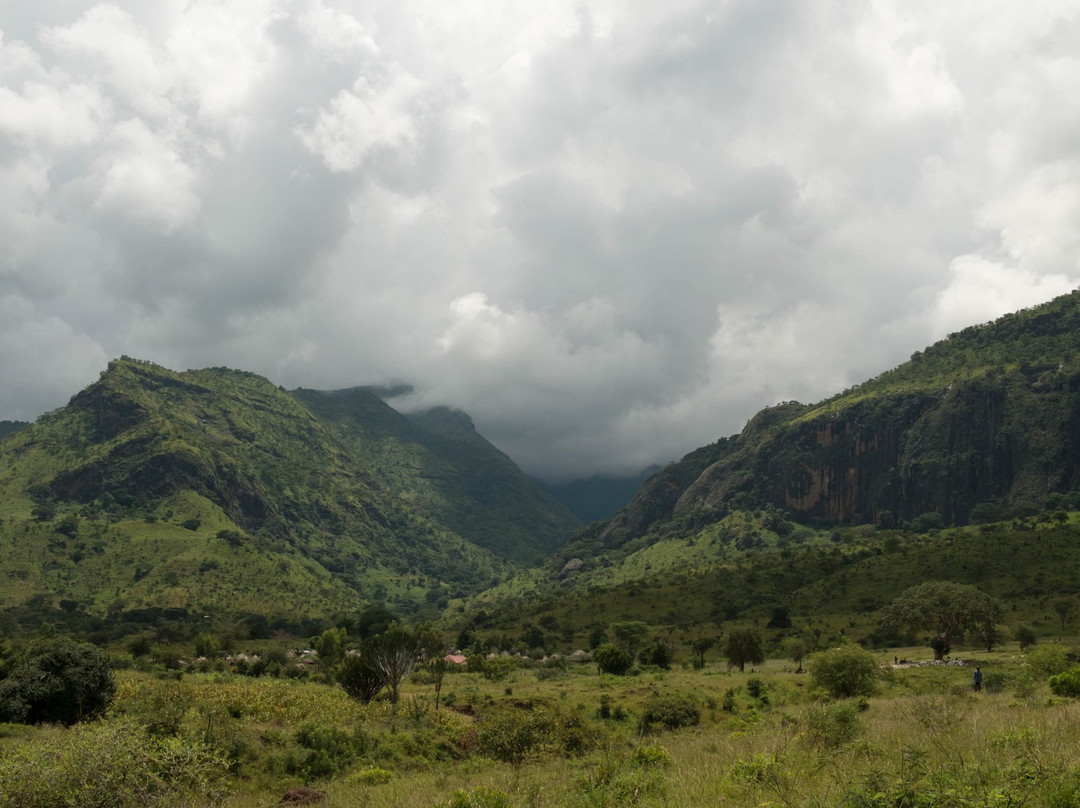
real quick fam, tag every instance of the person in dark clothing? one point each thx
(976, 680)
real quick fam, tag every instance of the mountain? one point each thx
(444, 467)
(990, 415)
(215, 489)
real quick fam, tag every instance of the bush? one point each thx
(833, 725)
(110, 765)
(994, 682)
(659, 654)
(329, 751)
(360, 678)
(1066, 683)
(56, 680)
(511, 734)
(652, 756)
(497, 669)
(372, 776)
(755, 687)
(610, 658)
(671, 712)
(1048, 659)
(844, 672)
(479, 798)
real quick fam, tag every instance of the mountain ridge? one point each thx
(165, 481)
(990, 413)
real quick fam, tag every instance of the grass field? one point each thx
(568, 737)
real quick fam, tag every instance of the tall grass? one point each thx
(924, 740)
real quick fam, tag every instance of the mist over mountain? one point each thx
(598, 496)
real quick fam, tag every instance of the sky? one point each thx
(610, 231)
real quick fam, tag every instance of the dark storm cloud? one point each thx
(609, 231)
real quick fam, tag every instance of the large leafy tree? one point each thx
(56, 680)
(743, 645)
(946, 609)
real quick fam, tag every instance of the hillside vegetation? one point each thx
(991, 414)
(216, 490)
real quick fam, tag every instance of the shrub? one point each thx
(655, 755)
(479, 798)
(610, 658)
(56, 680)
(755, 687)
(830, 726)
(1066, 683)
(1048, 659)
(328, 751)
(110, 765)
(844, 672)
(360, 678)
(671, 712)
(511, 734)
(497, 669)
(372, 776)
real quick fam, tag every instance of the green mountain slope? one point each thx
(990, 414)
(441, 465)
(215, 489)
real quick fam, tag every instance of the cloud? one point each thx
(611, 232)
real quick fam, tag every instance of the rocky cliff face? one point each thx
(991, 414)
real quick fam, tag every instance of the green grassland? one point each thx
(561, 735)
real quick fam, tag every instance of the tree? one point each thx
(395, 654)
(610, 658)
(743, 645)
(796, 649)
(373, 621)
(844, 672)
(657, 653)
(1025, 636)
(698, 648)
(943, 607)
(437, 669)
(1064, 607)
(56, 680)
(330, 646)
(207, 645)
(532, 637)
(780, 618)
(630, 635)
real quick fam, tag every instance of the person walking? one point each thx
(976, 680)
